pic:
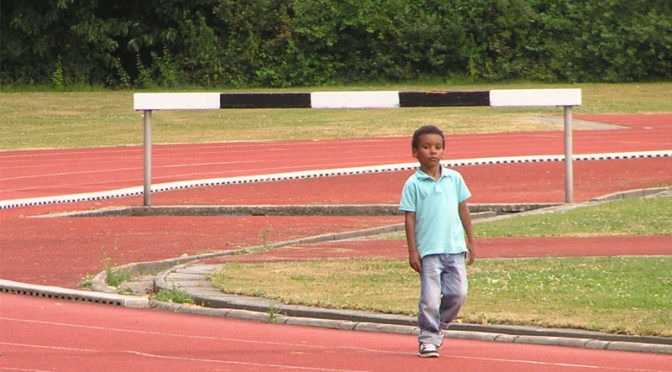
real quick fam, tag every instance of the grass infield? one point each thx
(649, 216)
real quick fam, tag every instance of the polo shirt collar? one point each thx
(423, 176)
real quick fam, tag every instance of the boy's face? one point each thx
(430, 150)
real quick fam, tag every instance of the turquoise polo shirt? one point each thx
(438, 228)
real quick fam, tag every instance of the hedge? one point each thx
(282, 43)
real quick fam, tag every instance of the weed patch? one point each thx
(116, 277)
(175, 295)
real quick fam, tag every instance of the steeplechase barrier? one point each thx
(566, 98)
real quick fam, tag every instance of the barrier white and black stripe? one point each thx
(148, 102)
(356, 100)
(179, 185)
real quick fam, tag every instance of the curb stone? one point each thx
(253, 308)
(8, 286)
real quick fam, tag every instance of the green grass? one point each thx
(95, 118)
(630, 295)
(650, 216)
(613, 294)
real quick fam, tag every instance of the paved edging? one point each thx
(210, 301)
(578, 342)
(637, 193)
(8, 286)
(483, 209)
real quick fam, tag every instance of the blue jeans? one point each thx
(443, 290)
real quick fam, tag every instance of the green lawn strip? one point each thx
(641, 216)
(96, 118)
(626, 295)
(649, 216)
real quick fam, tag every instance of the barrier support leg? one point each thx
(147, 191)
(569, 172)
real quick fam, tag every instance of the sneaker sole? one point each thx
(429, 355)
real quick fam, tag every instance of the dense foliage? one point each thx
(307, 42)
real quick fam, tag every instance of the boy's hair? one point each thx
(427, 129)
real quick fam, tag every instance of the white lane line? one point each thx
(170, 186)
(108, 170)
(50, 347)
(176, 335)
(283, 366)
(566, 365)
(176, 358)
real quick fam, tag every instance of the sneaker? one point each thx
(428, 351)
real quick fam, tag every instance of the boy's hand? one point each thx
(471, 254)
(413, 255)
(465, 217)
(415, 261)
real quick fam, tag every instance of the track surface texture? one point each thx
(47, 335)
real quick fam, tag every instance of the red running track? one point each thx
(501, 183)
(28, 174)
(47, 335)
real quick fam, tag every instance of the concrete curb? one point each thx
(577, 342)
(208, 300)
(8, 286)
(282, 210)
(630, 194)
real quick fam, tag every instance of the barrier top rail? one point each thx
(357, 100)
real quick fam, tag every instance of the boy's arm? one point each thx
(465, 217)
(413, 256)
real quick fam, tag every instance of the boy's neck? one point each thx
(434, 172)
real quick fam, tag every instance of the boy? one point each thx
(437, 215)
